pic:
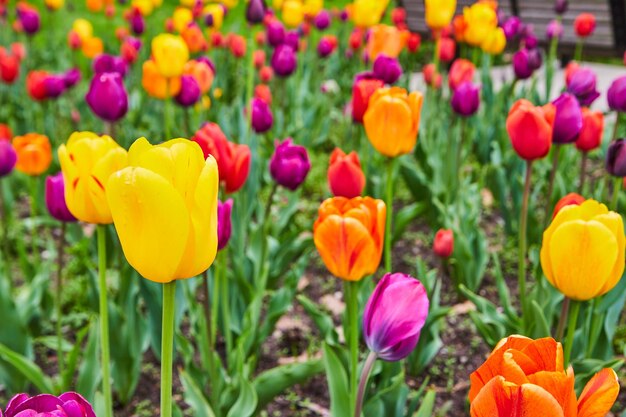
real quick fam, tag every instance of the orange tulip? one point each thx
(526, 377)
(157, 85)
(92, 47)
(194, 38)
(34, 153)
(202, 73)
(392, 120)
(349, 234)
(388, 40)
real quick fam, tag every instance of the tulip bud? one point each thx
(290, 164)
(71, 77)
(5, 132)
(365, 84)
(255, 11)
(107, 96)
(567, 118)
(322, 20)
(387, 69)
(284, 60)
(616, 158)
(345, 176)
(224, 226)
(109, 63)
(266, 74)
(616, 95)
(8, 158)
(560, 6)
(529, 130)
(461, 71)
(258, 58)
(292, 38)
(466, 99)
(394, 316)
(571, 199)
(413, 42)
(189, 93)
(262, 119)
(554, 30)
(525, 62)
(29, 19)
(137, 24)
(585, 24)
(432, 78)
(590, 136)
(54, 86)
(275, 33)
(325, 47)
(443, 246)
(55, 198)
(511, 28)
(583, 85)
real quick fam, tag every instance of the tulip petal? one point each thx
(599, 394)
(561, 386)
(615, 224)
(152, 221)
(498, 364)
(546, 353)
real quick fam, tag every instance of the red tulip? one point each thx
(413, 42)
(9, 68)
(461, 71)
(569, 200)
(443, 246)
(585, 24)
(431, 77)
(36, 85)
(447, 49)
(590, 137)
(529, 130)
(364, 86)
(345, 176)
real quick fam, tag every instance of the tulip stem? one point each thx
(617, 185)
(104, 321)
(167, 109)
(389, 203)
(571, 330)
(33, 214)
(365, 374)
(225, 298)
(208, 317)
(58, 293)
(436, 53)
(562, 319)
(459, 154)
(595, 324)
(583, 172)
(555, 166)
(615, 126)
(578, 52)
(249, 85)
(521, 268)
(351, 331)
(167, 347)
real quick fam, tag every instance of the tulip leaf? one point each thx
(542, 329)
(89, 373)
(428, 404)
(72, 359)
(195, 397)
(337, 383)
(323, 321)
(28, 368)
(246, 404)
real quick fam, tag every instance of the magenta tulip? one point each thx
(55, 198)
(69, 404)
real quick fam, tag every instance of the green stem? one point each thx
(616, 126)
(459, 153)
(595, 320)
(617, 185)
(365, 374)
(59, 293)
(249, 84)
(34, 210)
(578, 52)
(225, 298)
(555, 166)
(562, 319)
(214, 310)
(104, 321)
(389, 203)
(571, 330)
(167, 348)
(166, 115)
(208, 317)
(351, 330)
(521, 255)
(436, 53)
(583, 172)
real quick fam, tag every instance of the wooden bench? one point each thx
(609, 37)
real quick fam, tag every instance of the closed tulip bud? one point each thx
(6, 134)
(289, 164)
(511, 27)
(525, 62)
(367, 13)
(529, 130)
(55, 198)
(157, 85)
(255, 11)
(83, 28)
(9, 68)
(447, 49)
(581, 242)
(137, 24)
(466, 99)
(432, 78)
(582, 84)
(275, 33)
(356, 39)
(462, 70)
(590, 136)
(443, 246)
(439, 13)
(107, 97)
(34, 153)
(324, 47)
(92, 47)
(616, 95)
(263, 92)
(585, 24)
(495, 42)
(392, 120)
(167, 227)
(35, 85)
(262, 118)
(29, 18)
(345, 176)
(398, 16)
(87, 160)
(413, 42)
(292, 13)
(109, 63)
(189, 93)
(387, 69)
(571, 199)
(71, 77)
(394, 316)
(616, 158)
(201, 72)
(170, 54)
(66, 404)
(364, 86)
(237, 45)
(258, 58)
(266, 74)
(554, 29)
(349, 234)
(566, 117)
(284, 60)
(54, 85)
(560, 6)
(224, 226)
(322, 20)
(233, 160)
(292, 39)
(259, 39)
(181, 18)
(8, 158)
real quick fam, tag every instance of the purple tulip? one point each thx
(107, 96)
(583, 86)
(275, 33)
(616, 158)
(71, 77)
(255, 12)
(324, 48)
(8, 158)
(344, 16)
(568, 119)
(465, 99)
(290, 164)
(387, 69)
(554, 29)
(109, 63)
(262, 119)
(134, 42)
(521, 64)
(292, 38)
(224, 226)
(284, 60)
(560, 7)
(69, 404)
(30, 19)
(322, 20)
(55, 198)
(616, 95)
(511, 27)
(137, 24)
(54, 85)
(189, 93)
(394, 316)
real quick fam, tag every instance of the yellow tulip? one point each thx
(83, 29)
(582, 253)
(293, 13)
(392, 120)
(367, 13)
(277, 4)
(164, 207)
(87, 162)
(157, 3)
(54, 4)
(217, 12)
(313, 7)
(170, 54)
(181, 18)
(481, 20)
(495, 42)
(439, 13)
(230, 4)
(188, 3)
(145, 7)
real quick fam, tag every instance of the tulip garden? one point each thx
(245, 208)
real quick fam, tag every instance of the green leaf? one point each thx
(89, 373)
(246, 404)
(322, 320)
(72, 359)
(542, 329)
(337, 383)
(28, 368)
(195, 397)
(428, 404)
